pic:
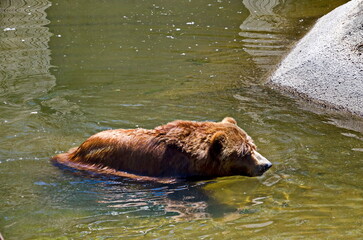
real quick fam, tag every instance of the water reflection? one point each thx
(121, 196)
(24, 74)
(25, 55)
(261, 32)
(262, 16)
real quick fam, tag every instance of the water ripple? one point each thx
(263, 38)
(24, 49)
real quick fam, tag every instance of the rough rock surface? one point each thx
(326, 66)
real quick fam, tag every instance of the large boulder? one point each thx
(326, 66)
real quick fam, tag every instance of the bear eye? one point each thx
(248, 154)
(245, 152)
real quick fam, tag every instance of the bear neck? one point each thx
(194, 139)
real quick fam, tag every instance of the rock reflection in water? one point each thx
(260, 30)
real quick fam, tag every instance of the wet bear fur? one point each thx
(179, 149)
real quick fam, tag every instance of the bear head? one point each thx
(236, 152)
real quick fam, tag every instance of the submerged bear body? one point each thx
(179, 149)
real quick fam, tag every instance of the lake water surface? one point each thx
(69, 69)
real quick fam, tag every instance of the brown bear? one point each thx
(179, 149)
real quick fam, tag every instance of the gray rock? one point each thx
(326, 66)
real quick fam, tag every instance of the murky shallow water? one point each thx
(71, 69)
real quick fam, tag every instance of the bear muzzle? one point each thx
(262, 164)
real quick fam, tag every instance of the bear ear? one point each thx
(229, 120)
(218, 143)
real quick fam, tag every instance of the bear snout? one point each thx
(261, 169)
(262, 163)
(266, 167)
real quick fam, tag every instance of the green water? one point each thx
(69, 69)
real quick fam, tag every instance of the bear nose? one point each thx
(267, 166)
